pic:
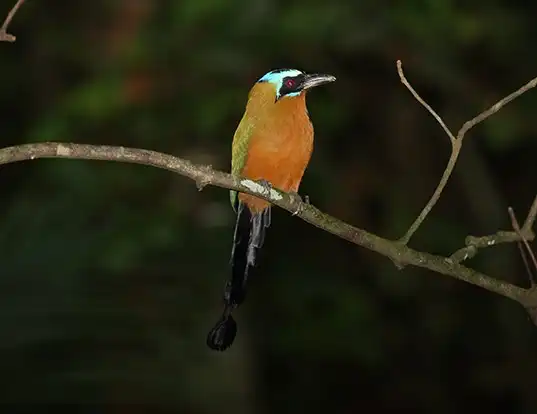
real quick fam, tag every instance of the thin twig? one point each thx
(4, 35)
(516, 227)
(474, 244)
(394, 250)
(456, 144)
(421, 101)
(530, 220)
(495, 108)
(455, 151)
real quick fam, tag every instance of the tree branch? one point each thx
(528, 223)
(4, 35)
(530, 306)
(524, 240)
(473, 244)
(456, 143)
(397, 251)
(418, 98)
(205, 175)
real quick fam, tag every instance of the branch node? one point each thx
(201, 183)
(466, 253)
(456, 145)
(394, 250)
(516, 227)
(6, 37)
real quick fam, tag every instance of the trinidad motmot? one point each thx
(272, 145)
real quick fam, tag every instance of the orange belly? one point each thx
(280, 157)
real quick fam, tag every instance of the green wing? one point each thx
(239, 151)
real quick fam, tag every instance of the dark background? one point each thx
(112, 274)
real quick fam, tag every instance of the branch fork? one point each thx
(396, 250)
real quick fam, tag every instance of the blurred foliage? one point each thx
(112, 274)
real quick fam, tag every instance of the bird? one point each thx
(272, 145)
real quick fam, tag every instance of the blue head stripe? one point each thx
(276, 77)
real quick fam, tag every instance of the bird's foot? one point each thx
(267, 186)
(299, 202)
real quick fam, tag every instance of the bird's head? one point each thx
(293, 82)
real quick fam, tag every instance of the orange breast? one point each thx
(280, 148)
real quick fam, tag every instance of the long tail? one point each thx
(250, 230)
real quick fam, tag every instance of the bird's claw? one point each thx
(267, 186)
(295, 197)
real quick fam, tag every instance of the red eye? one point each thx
(289, 83)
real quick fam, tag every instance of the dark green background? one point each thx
(112, 274)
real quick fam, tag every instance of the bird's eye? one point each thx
(290, 83)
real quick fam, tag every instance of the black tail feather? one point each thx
(250, 230)
(249, 237)
(223, 334)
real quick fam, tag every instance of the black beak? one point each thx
(317, 79)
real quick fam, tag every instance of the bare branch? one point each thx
(516, 226)
(530, 220)
(456, 146)
(495, 108)
(204, 175)
(455, 151)
(421, 101)
(4, 35)
(474, 244)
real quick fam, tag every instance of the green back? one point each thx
(239, 151)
